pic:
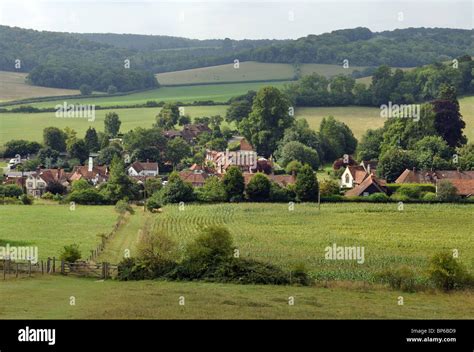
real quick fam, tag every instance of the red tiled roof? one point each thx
(361, 188)
(419, 176)
(358, 173)
(196, 178)
(282, 180)
(140, 166)
(464, 187)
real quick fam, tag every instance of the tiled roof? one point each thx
(420, 176)
(464, 187)
(361, 188)
(140, 166)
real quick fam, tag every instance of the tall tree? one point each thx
(448, 121)
(92, 140)
(168, 116)
(234, 184)
(265, 125)
(54, 138)
(112, 124)
(307, 186)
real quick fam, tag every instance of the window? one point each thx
(41, 184)
(348, 180)
(30, 184)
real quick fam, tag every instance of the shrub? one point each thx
(176, 190)
(133, 269)
(212, 191)
(122, 207)
(26, 199)
(258, 189)
(447, 273)
(293, 166)
(87, 196)
(10, 200)
(13, 191)
(279, 193)
(329, 187)
(299, 276)
(446, 191)
(430, 197)
(378, 197)
(402, 278)
(306, 186)
(154, 202)
(70, 253)
(47, 195)
(399, 197)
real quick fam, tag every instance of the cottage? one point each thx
(143, 169)
(371, 184)
(92, 173)
(37, 182)
(354, 175)
(189, 133)
(427, 176)
(196, 175)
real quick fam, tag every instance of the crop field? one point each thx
(30, 126)
(215, 92)
(48, 298)
(13, 87)
(248, 71)
(391, 238)
(51, 227)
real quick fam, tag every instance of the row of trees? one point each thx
(397, 86)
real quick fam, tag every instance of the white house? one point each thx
(354, 175)
(143, 169)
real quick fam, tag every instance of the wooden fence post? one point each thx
(17, 270)
(42, 268)
(4, 268)
(48, 266)
(29, 268)
(62, 267)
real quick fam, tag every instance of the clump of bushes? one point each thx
(402, 278)
(211, 257)
(447, 273)
(378, 197)
(154, 202)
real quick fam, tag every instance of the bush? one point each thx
(10, 200)
(378, 197)
(399, 197)
(299, 276)
(12, 191)
(212, 191)
(258, 189)
(279, 193)
(402, 278)
(47, 196)
(88, 196)
(70, 253)
(154, 202)
(329, 187)
(122, 207)
(430, 197)
(176, 190)
(447, 273)
(446, 192)
(26, 199)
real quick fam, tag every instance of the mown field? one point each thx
(215, 92)
(48, 298)
(13, 87)
(359, 119)
(391, 238)
(248, 71)
(30, 126)
(51, 227)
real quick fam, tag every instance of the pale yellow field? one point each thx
(13, 87)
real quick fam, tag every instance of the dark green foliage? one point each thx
(379, 197)
(85, 89)
(337, 139)
(212, 191)
(154, 202)
(445, 191)
(258, 188)
(112, 124)
(55, 187)
(176, 190)
(402, 278)
(123, 207)
(91, 140)
(447, 273)
(21, 147)
(70, 253)
(234, 184)
(394, 162)
(54, 138)
(296, 151)
(306, 187)
(89, 196)
(13, 191)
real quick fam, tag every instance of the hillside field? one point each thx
(13, 87)
(248, 71)
(187, 94)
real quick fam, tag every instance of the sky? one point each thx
(230, 18)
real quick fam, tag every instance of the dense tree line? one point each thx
(98, 59)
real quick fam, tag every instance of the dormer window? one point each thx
(348, 180)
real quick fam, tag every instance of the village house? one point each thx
(427, 176)
(354, 175)
(189, 133)
(36, 183)
(245, 158)
(94, 174)
(196, 175)
(371, 184)
(143, 169)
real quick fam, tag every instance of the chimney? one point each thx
(91, 164)
(368, 168)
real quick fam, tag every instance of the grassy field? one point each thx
(272, 233)
(247, 71)
(14, 87)
(359, 119)
(215, 92)
(30, 126)
(51, 227)
(48, 298)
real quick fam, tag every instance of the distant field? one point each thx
(359, 119)
(215, 92)
(51, 227)
(247, 71)
(30, 126)
(13, 87)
